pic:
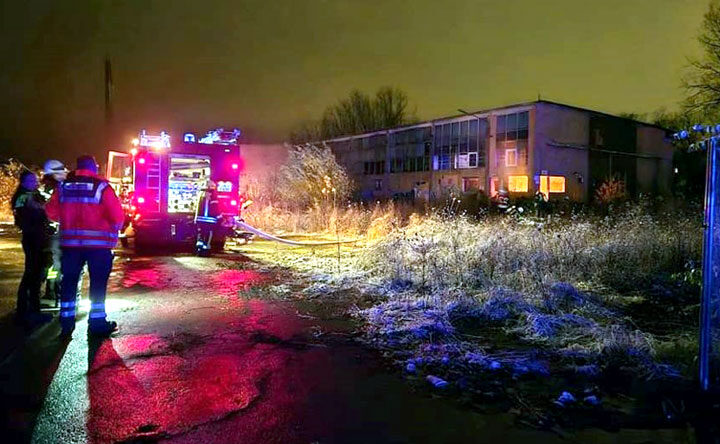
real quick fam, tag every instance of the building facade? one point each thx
(557, 149)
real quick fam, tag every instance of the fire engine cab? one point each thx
(164, 188)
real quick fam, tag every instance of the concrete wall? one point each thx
(654, 175)
(563, 126)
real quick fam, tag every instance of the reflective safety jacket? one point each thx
(88, 211)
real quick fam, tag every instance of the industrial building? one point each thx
(554, 148)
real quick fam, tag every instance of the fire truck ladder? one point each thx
(153, 179)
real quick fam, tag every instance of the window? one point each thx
(511, 157)
(372, 149)
(410, 150)
(517, 184)
(470, 184)
(512, 126)
(460, 144)
(378, 184)
(557, 184)
(553, 184)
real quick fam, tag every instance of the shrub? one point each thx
(9, 173)
(312, 177)
(610, 191)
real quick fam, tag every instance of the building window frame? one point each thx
(518, 184)
(508, 151)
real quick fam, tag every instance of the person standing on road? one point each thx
(54, 173)
(90, 214)
(30, 217)
(206, 218)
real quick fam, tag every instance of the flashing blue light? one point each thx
(698, 128)
(189, 138)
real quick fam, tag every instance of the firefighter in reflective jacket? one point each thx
(206, 218)
(90, 215)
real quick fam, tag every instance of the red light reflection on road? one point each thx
(229, 282)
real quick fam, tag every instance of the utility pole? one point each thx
(709, 352)
(109, 133)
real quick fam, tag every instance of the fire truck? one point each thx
(162, 187)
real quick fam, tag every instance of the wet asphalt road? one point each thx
(196, 362)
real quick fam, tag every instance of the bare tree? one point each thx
(703, 81)
(357, 113)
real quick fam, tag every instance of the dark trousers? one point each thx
(28, 299)
(53, 264)
(99, 262)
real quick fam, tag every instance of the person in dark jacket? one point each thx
(54, 173)
(206, 218)
(30, 217)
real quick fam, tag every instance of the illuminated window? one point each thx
(557, 184)
(511, 157)
(517, 184)
(553, 184)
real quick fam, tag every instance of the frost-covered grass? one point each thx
(585, 299)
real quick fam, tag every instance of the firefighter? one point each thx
(30, 217)
(540, 204)
(503, 201)
(206, 218)
(54, 173)
(90, 215)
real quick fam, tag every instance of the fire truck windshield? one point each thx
(189, 175)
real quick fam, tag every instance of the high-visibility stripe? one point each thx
(97, 315)
(87, 243)
(67, 304)
(67, 314)
(112, 234)
(97, 306)
(90, 200)
(80, 187)
(206, 219)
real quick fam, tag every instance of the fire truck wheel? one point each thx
(217, 245)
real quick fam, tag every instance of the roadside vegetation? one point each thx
(563, 313)
(9, 173)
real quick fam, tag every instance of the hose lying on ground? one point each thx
(264, 235)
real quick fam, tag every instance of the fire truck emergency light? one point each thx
(221, 137)
(156, 142)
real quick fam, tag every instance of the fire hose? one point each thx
(267, 236)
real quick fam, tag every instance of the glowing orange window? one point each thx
(517, 184)
(553, 184)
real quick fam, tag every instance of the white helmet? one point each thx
(55, 168)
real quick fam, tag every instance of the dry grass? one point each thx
(435, 272)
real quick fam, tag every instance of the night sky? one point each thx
(265, 66)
